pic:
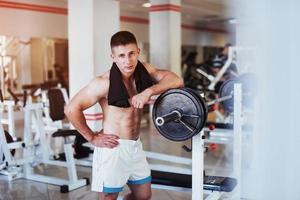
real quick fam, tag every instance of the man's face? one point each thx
(126, 57)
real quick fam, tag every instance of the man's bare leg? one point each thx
(108, 196)
(139, 192)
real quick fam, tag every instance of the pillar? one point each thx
(91, 23)
(165, 34)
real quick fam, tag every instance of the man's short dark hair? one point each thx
(122, 38)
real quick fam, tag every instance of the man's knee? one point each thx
(108, 196)
(143, 196)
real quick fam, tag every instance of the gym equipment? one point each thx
(41, 92)
(9, 139)
(35, 152)
(175, 177)
(215, 79)
(182, 112)
(179, 114)
(225, 93)
(52, 125)
(168, 112)
(209, 75)
(248, 82)
(215, 183)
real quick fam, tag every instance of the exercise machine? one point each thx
(35, 152)
(215, 79)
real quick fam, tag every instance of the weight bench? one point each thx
(213, 183)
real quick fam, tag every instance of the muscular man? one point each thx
(122, 92)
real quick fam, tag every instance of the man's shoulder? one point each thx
(150, 68)
(99, 86)
(100, 81)
(102, 78)
(145, 64)
(105, 76)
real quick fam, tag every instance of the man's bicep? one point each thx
(155, 73)
(159, 74)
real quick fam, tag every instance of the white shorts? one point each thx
(124, 164)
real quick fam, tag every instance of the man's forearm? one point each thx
(168, 82)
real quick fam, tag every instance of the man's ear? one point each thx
(138, 50)
(112, 56)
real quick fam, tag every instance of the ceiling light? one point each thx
(146, 5)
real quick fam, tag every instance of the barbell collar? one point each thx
(170, 117)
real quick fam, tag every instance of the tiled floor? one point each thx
(24, 189)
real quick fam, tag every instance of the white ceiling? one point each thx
(206, 13)
(203, 13)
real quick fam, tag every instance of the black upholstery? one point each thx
(56, 104)
(65, 133)
(216, 183)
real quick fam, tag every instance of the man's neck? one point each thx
(127, 77)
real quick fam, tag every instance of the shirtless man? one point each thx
(118, 156)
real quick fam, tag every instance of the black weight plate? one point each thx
(201, 101)
(249, 86)
(186, 102)
(226, 89)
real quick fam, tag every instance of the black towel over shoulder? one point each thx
(117, 93)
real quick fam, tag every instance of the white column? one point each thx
(91, 23)
(165, 34)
